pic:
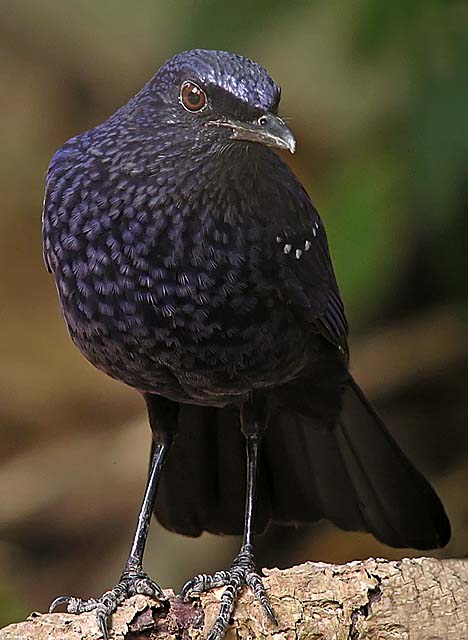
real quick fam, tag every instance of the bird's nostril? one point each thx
(263, 120)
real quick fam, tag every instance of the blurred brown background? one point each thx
(377, 96)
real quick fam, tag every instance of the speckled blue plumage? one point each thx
(187, 264)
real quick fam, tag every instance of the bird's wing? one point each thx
(306, 276)
(64, 163)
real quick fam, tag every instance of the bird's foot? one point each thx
(132, 581)
(242, 572)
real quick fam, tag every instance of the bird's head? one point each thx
(216, 96)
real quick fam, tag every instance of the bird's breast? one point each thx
(168, 301)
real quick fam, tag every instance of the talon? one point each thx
(269, 611)
(155, 590)
(102, 623)
(188, 586)
(58, 601)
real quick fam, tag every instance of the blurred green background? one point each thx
(377, 96)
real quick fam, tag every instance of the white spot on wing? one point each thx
(298, 254)
(307, 245)
(287, 248)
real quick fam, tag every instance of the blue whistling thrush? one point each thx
(192, 265)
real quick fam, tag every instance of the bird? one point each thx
(192, 266)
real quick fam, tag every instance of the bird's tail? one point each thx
(353, 474)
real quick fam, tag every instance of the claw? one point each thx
(154, 590)
(58, 601)
(102, 622)
(269, 611)
(188, 586)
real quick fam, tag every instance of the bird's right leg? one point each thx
(243, 571)
(163, 421)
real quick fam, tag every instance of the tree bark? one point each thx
(412, 599)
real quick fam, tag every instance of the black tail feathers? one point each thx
(353, 474)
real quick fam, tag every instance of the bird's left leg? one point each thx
(243, 571)
(163, 421)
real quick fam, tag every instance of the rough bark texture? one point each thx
(413, 599)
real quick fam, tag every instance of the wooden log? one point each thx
(375, 599)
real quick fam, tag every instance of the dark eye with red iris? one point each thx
(192, 97)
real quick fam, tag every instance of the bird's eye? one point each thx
(192, 97)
